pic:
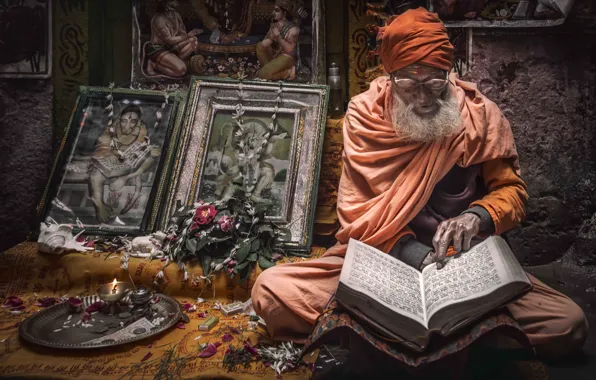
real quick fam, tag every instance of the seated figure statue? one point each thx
(429, 164)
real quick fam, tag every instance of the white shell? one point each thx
(57, 238)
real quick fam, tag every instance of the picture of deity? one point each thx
(260, 39)
(254, 160)
(108, 176)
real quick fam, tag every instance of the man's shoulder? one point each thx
(364, 101)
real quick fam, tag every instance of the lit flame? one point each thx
(114, 285)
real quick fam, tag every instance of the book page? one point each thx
(472, 274)
(384, 278)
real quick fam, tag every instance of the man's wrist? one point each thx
(487, 226)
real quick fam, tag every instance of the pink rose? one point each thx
(225, 223)
(203, 215)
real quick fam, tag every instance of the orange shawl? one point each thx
(386, 180)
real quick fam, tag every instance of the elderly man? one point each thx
(430, 165)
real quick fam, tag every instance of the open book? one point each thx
(405, 304)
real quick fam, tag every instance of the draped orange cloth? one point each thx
(415, 36)
(387, 179)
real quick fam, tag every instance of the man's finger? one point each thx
(457, 237)
(440, 230)
(468, 235)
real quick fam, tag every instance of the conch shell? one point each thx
(148, 246)
(57, 238)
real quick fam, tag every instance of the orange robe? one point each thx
(385, 183)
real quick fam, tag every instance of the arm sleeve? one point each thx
(506, 199)
(410, 251)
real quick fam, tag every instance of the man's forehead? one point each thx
(419, 70)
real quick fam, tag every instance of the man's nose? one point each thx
(423, 98)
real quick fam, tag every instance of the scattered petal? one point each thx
(253, 351)
(12, 301)
(46, 302)
(95, 307)
(217, 344)
(150, 345)
(180, 325)
(202, 315)
(234, 330)
(227, 338)
(149, 354)
(209, 351)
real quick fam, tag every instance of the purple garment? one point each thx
(451, 196)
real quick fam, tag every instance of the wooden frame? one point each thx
(111, 177)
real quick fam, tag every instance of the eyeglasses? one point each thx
(411, 84)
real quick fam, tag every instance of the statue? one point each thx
(277, 52)
(170, 45)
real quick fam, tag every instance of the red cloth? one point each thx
(415, 36)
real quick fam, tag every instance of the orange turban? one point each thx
(415, 36)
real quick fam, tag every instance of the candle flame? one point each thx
(114, 282)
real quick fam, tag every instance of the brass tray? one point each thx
(47, 327)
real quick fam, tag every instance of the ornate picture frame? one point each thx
(111, 169)
(174, 40)
(287, 120)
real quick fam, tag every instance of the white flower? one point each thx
(218, 267)
(241, 144)
(159, 274)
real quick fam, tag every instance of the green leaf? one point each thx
(206, 264)
(191, 245)
(242, 265)
(265, 263)
(255, 245)
(243, 251)
(202, 243)
(252, 257)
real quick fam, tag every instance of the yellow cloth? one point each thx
(326, 222)
(31, 275)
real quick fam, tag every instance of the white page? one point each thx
(473, 274)
(392, 283)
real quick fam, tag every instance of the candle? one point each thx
(115, 286)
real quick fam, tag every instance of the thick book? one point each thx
(408, 305)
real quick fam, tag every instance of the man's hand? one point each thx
(460, 229)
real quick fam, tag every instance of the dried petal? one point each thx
(180, 325)
(227, 338)
(202, 315)
(12, 301)
(209, 351)
(86, 317)
(149, 354)
(234, 330)
(217, 344)
(72, 301)
(253, 351)
(46, 302)
(95, 307)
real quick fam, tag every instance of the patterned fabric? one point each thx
(335, 323)
(326, 222)
(32, 275)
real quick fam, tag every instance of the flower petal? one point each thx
(209, 351)
(149, 354)
(227, 338)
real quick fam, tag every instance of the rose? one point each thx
(225, 223)
(203, 215)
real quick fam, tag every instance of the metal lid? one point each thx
(140, 295)
(333, 69)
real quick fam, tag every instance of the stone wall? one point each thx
(25, 154)
(546, 87)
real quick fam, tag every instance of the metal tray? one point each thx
(41, 327)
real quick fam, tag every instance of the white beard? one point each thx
(426, 128)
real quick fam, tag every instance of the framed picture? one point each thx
(259, 139)
(266, 39)
(25, 39)
(111, 169)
